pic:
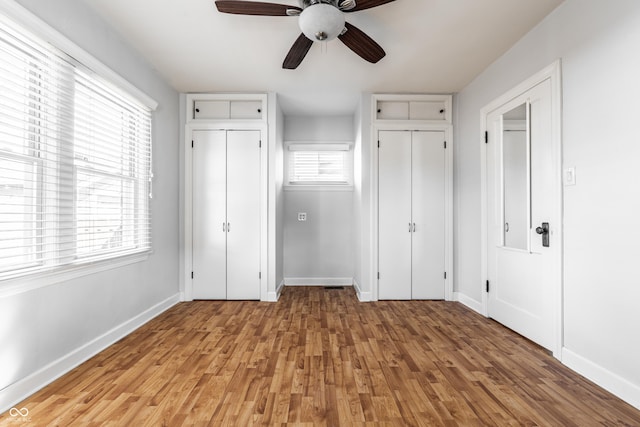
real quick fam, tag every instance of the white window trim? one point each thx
(318, 146)
(22, 16)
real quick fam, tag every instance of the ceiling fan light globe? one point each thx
(321, 22)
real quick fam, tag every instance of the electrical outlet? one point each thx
(302, 216)
(569, 176)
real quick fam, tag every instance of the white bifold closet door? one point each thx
(394, 215)
(411, 215)
(226, 214)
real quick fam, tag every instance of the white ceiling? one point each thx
(433, 46)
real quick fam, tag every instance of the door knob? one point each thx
(544, 231)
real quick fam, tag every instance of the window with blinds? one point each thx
(75, 161)
(320, 164)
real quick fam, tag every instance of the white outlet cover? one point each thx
(302, 216)
(569, 176)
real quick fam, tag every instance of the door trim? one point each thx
(448, 203)
(552, 73)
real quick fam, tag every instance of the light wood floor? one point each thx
(319, 357)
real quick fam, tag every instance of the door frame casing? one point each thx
(448, 202)
(552, 73)
(188, 197)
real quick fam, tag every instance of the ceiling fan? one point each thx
(319, 20)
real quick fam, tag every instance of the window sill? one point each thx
(318, 187)
(38, 280)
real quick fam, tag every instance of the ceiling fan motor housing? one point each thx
(321, 21)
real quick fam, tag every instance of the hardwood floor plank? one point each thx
(319, 357)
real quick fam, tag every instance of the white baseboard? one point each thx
(279, 289)
(318, 281)
(17, 392)
(606, 379)
(362, 296)
(274, 296)
(465, 300)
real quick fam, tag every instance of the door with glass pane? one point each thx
(522, 215)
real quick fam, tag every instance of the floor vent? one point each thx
(333, 288)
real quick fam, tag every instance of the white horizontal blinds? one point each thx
(31, 139)
(319, 164)
(46, 190)
(112, 161)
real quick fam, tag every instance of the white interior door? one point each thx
(521, 188)
(394, 215)
(243, 215)
(209, 215)
(428, 215)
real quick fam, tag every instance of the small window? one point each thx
(320, 164)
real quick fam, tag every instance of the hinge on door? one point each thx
(378, 144)
(191, 143)
(445, 275)
(192, 274)
(260, 144)
(260, 275)
(378, 275)
(487, 289)
(486, 137)
(445, 145)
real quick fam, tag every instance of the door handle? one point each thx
(414, 227)
(224, 227)
(409, 227)
(544, 231)
(228, 227)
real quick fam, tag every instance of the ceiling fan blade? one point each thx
(254, 8)
(368, 4)
(297, 52)
(362, 44)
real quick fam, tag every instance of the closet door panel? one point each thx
(394, 215)
(209, 215)
(428, 213)
(243, 215)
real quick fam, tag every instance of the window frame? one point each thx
(27, 279)
(345, 147)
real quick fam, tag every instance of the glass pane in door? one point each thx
(515, 172)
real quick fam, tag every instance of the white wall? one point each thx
(362, 209)
(598, 43)
(322, 246)
(47, 330)
(357, 198)
(276, 198)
